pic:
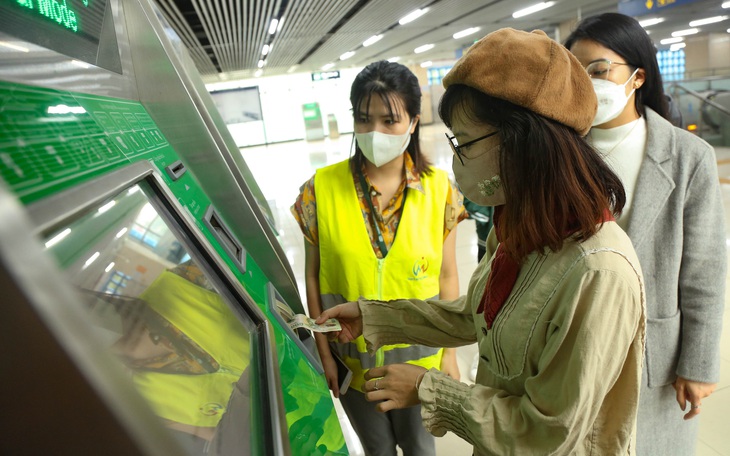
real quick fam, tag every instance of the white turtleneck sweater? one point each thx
(624, 149)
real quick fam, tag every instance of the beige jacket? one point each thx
(560, 369)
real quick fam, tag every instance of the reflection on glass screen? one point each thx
(157, 313)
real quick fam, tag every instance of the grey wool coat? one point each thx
(677, 227)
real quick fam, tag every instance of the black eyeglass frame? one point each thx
(455, 147)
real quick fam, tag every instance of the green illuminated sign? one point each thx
(70, 27)
(57, 11)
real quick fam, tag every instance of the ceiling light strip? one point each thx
(709, 20)
(253, 25)
(297, 44)
(293, 14)
(342, 19)
(532, 9)
(222, 15)
(238, 25)
(265, 9)
(371, 17)
(185, 32)
(235, 46)
(256, 33)
(686, 32)
(313, 20)
(208, 27)
(210, 9)
(286, 40)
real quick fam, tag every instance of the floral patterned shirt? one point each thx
(387, 215)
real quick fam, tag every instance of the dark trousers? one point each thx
(379, 432)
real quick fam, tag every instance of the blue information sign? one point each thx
(644, 7)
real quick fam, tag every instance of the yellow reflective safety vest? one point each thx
(349, 268)
(200, 399)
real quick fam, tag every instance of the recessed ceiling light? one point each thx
(424, 48)
(273, 25)
(261, 64)
(691, 31)
(347, 55)
(426, 64)
(258, 72)
(58, 238)
(281, 24)
(709, 20)
(81, 64)
(91, 259)
(292, 68)
(328, 66)
(532, 9)
(650, 22)
(106, 207)
(265, 50)
(14, 46)
(726, 5)
(372, 40)
(410, 17)
(393, 59)
(676, 47)
(466, 32)
(678, 39)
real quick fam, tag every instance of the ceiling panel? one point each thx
(226, 37)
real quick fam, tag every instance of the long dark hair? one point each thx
(624, 36)
(555, 183)
(389, 79)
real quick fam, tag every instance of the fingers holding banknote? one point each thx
(350, 318)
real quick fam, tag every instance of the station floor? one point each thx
(280, 169)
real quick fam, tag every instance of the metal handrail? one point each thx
(703, 99)
(694, 75)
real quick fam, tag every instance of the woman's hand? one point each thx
(330, 373)
(449, 366)
(394, 386)
(350, 318)
(694, 392)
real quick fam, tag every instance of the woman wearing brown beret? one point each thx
(558, 310)
(674, 217)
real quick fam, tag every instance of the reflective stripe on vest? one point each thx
(349, 268)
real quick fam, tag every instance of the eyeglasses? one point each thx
(599, 69)
(455, 147)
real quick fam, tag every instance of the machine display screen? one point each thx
(156, 309)
(71, 27)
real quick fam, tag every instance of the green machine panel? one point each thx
(53, 143)
(52, 140)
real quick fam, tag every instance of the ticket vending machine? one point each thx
(140, 275)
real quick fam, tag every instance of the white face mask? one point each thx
(470, 177)
(380, 148)
(612, 99)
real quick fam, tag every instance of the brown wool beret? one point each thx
(532, 71)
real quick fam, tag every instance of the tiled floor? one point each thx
(281, 168)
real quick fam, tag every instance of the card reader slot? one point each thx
(176, 170)
(224, 235)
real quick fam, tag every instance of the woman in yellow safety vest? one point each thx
(382, 227)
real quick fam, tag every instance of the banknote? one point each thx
(303, 321)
